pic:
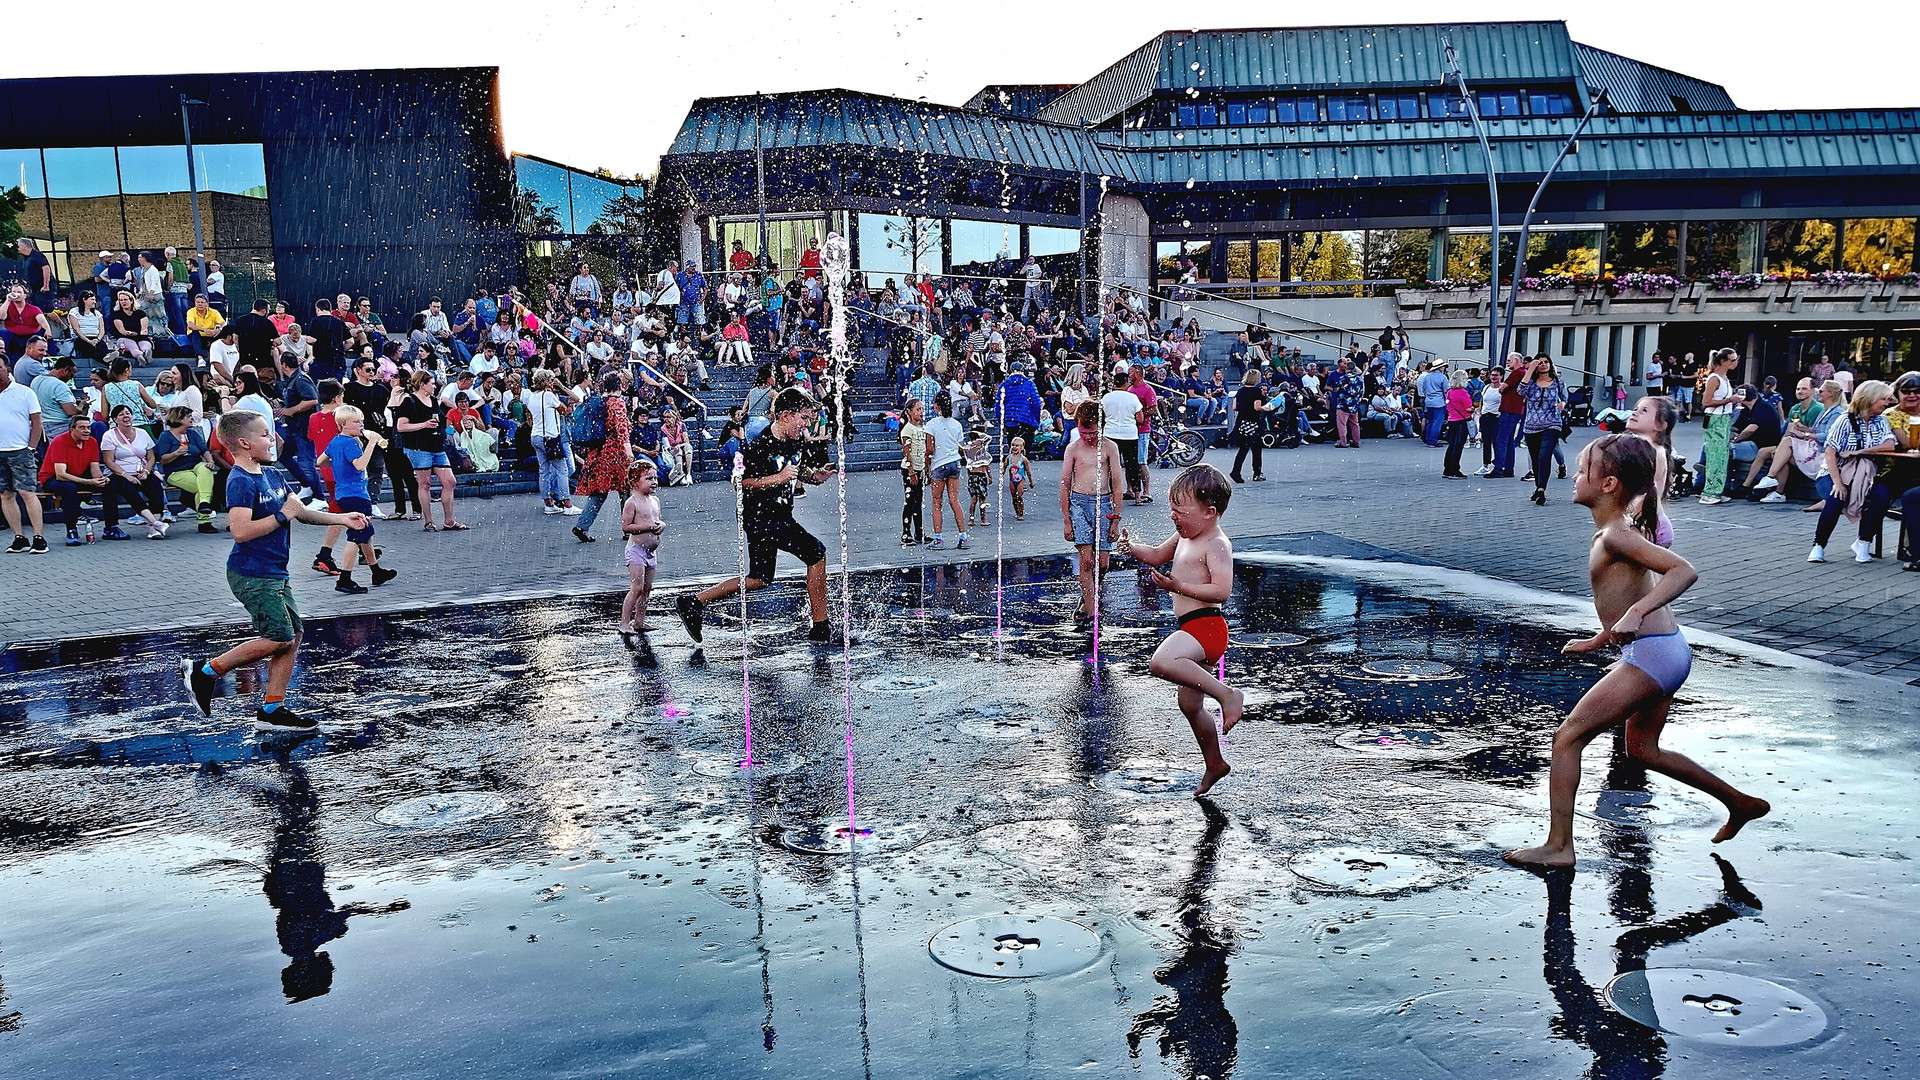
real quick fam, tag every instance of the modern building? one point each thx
(1292, 166)
(390, 184)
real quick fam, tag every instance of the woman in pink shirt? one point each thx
(1460, 410)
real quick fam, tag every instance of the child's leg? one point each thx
(1643, 743)
(367, 553)
(280, 670)
(1194, 704)
(248, 652)
(639, 617)
(347, 554)
(1086, 579)
(1180, 659)
(636, 577)
(1623, 691)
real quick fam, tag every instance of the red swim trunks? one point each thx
(1208, 627)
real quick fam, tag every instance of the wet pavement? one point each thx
(521, 848)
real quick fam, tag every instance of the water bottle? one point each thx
(89, 524)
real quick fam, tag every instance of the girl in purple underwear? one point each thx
(640, 521)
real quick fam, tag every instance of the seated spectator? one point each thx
(186, 463)
(675, 443)
(72, 472)
(127, 452)
(477, 443)
(735, 346)
(1391, 412)
(1756, 428)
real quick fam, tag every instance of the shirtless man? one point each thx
(1200, 579)
(1089, 475)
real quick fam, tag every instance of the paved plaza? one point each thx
(1385, 500)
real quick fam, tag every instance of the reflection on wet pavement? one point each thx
(519, 847)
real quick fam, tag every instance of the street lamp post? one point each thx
(760, 176)
(1080, 160)
(1520, 250)
(1493, 197)
(193, 180)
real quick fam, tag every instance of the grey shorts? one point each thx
(949, 471)
(1089, 516)
(19, 471)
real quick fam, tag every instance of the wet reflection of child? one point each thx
(774, 464)
(641, 524)
(1634, 581)
(1200, 577)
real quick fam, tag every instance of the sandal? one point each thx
(431, 527)
(410, 517)
(453, 526)
(1143, 500)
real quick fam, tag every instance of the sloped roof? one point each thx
(1316, 57)
(847, 118)
(1634, 87)
(1015, 99)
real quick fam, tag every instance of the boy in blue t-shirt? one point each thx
(348, 454)
(261, 508)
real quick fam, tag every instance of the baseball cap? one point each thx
(106, 254)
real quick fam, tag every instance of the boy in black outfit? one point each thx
(774, 464)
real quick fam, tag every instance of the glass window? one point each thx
(1259, 111)
(1348, 108)
(1716, 246)
(1399, 106)
(1562, 251)
(21, 168)
(1297, 110)
(1566, 341)
(234, 168)
(1550, 104)
(1236, 113)
(1403, 254)
(1448, 104)
(1042, 240)
(1878, 245)
(1183, 116)
(1799, 247)
(1166, 262)
(786, 238)
(544, 203)
(1207, 114)
(84, 198)
(1467, 255)
(979, 244)
(1327, 256)
(146, 170)
(896, 247)
(1499, 103)
(1643, 246)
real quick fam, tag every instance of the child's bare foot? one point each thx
(1211, 777)
(1231, 709)
(1739, 816)
(643, 626)
(626, 628)
(1540, 856)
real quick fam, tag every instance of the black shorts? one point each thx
(1130, 459)
(767, 539)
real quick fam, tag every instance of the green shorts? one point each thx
(269, 601)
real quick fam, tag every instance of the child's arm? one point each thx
(366, 454)
(322, 461)
(1677, 575)
(1152, 554)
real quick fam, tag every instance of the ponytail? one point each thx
(1629, 459)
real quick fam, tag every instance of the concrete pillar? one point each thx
(1126, 253)
(690, 239)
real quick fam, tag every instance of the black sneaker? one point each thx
(201, 687)
(209, 527)
(326, 565)
(346, 584)
(822, 634)
(580, 534)
(282, 719)
(19, 545)
(39, 546)
(689, 607)
(73, 538)
(382, 575)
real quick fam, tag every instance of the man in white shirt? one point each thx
(223, 356)
(485, 360)
(20, 437)
(1120, 408)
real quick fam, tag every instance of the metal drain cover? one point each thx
(1366, 872)
(442, 811)
(1717, 1007)
(1015, 946)
(900, 684)
(1409, 669)
(1276, 640)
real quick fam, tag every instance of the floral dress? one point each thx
(608, 467)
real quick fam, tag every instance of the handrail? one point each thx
(1271, 329)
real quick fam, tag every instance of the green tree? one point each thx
(13, 203)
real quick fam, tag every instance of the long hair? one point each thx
(1629, 459)
(1669, 416)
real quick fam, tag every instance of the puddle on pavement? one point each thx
(512, 830)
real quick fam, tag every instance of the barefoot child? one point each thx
(346, 457)
(1019, 477)
(1633, 582)
(1200, 579)
(261, 509)
(640, 521)
(1089, 475)
(979, 462)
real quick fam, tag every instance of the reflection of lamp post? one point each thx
(193, 181)
(1520, 249)
(1454, 74)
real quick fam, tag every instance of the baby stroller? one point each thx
(1580, 406)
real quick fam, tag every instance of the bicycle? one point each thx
(1172, 445)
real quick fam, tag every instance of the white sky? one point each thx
(606, 84)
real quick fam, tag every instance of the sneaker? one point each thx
(317, 503)
(936, 543)
(821, 634)
(689, 607)
(201, 687)
(158, 532)
(19, 545)
(1862, 551)
(1767, 483)
(908, 541)
(73, 538)
(382, 575)
(1773, 497)
(962, 545)
(1529, 477)
(1713, 500)
(209, 527)
(282, 719)
(117, 533)
(552, 509)
(326, 565)
(572, 511)
(1818, 554)
(39, 546)
(581, 535)
(378, 514)
(346, 584)
(1484, 470)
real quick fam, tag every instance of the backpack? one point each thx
(589, 423)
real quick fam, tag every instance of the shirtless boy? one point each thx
(1089, 475)
(1634, 581)
(641, 524)
(1200, 579)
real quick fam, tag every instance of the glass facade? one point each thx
(1643, 247)
(1353, 107)
(1799, 247)
(1878, 245)
(978, 245)
(83, 200)
(552, 198)
(898, 247)
(787, 238)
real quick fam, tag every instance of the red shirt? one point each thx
(810, 262)
(23, 320)
(321, 428)
(1144, 391)
(1511, 402)
(76, 456)
(742, 260)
